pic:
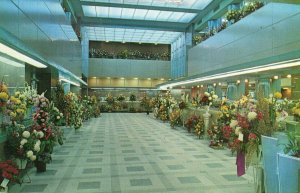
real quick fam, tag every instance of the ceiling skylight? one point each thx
(187, 4)
(137, 14)
(131, 35)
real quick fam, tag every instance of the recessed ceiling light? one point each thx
(289, 76)
(122, 78)
(275, 77)
(220, 83)
(106, 41)
(246, 80)
(162, 79)
(198, 86)
(108, 77)
(238, 81)
(148, 78)
(135, 78)
(201, 85)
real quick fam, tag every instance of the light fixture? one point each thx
(215, 84)
(192, 87)
(69, 81)
(94, 77)
(238, 81)
(220, 83)
(275, 77)
(135, 78)
(289, 76)
(201, 85)
(108, 77)
(106, 41)
(246, 80)
(148, 78)
(11, 62)
(198, 86)
(19, 56)
(162, 79)
(140, 42)
(123, 42)
(267, 67)
(122, 78)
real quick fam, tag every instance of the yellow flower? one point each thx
(278, 95)
(23, 106)
(3, 95)
(20, 111)
(13, 99)
(18, 101)
(13, 114)
(3, 88)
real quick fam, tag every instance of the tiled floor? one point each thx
(134, 153)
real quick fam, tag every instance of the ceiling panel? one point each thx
(131, 35)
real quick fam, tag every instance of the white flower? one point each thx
(271, 95)
(32, 158)
(26, 134)
(209, 98)
(206, 94)
(57, 117)
(210, 103)
(212, 92)
(38, 142)
(233, 123)
(215, 96)
(60, 114)
(21, 146)
(23, 141)
(37, 147)
(29, 153)
(237, 130)
(40, 134)
(252, 115)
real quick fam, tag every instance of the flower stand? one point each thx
(40, 166)
(289, 171)
(206, 117)
(21, 163)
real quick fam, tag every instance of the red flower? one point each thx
(227, 131)
(252, 136)
(260, 116)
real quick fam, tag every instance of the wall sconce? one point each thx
(246, 80)
(238, 81)
(275, 77)
(215, 84)
(201, 85)
(220, 83)
(198, 86)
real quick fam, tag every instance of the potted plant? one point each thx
(289, 165)
(145, 103)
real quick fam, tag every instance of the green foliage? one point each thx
(293, 147)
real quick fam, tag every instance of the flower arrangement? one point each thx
(175, 118)
(16, 107)
(145, 102)
(163, 113)
(96, 108)
(132, 98)
(74, 115)
(109, 99)
(199, 127)
(234, 15)
(121, 98)
(296, 111)
(56, 116)
(9, 171)
(192, 122)
(30, 95)
(210, 98)
(22, 143)
(216, 137)
(3, 94)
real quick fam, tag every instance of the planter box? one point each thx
(270, 149)
(289, 170)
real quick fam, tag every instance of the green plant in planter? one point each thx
(293, 147)
(132, 98)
